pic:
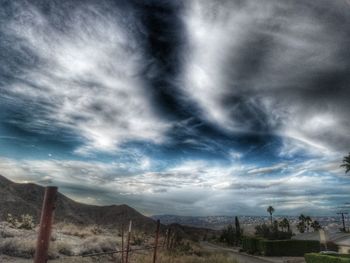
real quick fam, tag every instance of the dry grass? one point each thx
(69, 242)
(173, 258)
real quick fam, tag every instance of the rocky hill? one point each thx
(19, 199)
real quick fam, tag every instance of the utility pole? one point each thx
(342, 216)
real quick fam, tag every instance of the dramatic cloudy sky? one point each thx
(190, 107)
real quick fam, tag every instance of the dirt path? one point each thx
(244, 258)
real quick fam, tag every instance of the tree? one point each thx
(230, 235)
(346, 163)
(316, 225)
(302, 223)
(270, 210)
(308, 222)
(239, 231)
(284, 224)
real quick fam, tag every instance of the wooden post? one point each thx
(45, 225)
(128, 243)
(156, 242)
(122, 243)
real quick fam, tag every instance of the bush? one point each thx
(17, 247)
(251, 245)
(98, 244)
(26, 221)
(272, 232)
(291, 248)
(321, 258)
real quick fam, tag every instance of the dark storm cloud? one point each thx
(272, 67)
(183, 104)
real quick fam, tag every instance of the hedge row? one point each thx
(292, 248)
(321, 258)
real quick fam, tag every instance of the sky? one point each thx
(187, 107)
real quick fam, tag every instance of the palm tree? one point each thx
(346, 163)
(270, 210)
(308, 222)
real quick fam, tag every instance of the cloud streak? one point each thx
(86, 77)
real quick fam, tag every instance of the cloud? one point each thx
(271, 67)
(85, 76)
(191, 187)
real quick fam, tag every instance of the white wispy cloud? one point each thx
(191, 187)
(254, 67)
(86, 79)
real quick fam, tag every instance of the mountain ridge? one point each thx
(18, 199)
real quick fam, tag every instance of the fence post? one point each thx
(122, 243)
(166, 235)
(128, 243)
(45, 225)
(156, 242)
(168, 238)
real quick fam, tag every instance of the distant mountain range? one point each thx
(218, 222)
(19, 199)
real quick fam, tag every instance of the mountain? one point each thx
(19, 199)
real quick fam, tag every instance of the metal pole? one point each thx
(168, 238)
(128, 243)
(45, 225)
(156, 242)
(166, 235)
(122, 243)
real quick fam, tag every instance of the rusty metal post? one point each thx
(156, 242)
(128, 243)
(168, 238)
(122, 243)
(45, 225)
(164, 240)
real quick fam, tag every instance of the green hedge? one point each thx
(292, 248)
(251, 245)
(321, 258)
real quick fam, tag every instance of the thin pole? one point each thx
(166, 236)
(168, 239)
(122, 243)
(128, 243)
(156, 242)
(45, 225)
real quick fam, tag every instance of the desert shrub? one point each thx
(64, 248)
(22, 248)
(97, 244)
(6, 232)
(25, 222)
(138, 238)
(288, 247)
(12, 220)
(321, 258)
(17, 247)
(74, 230)
(96, 230)
(166, 258)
